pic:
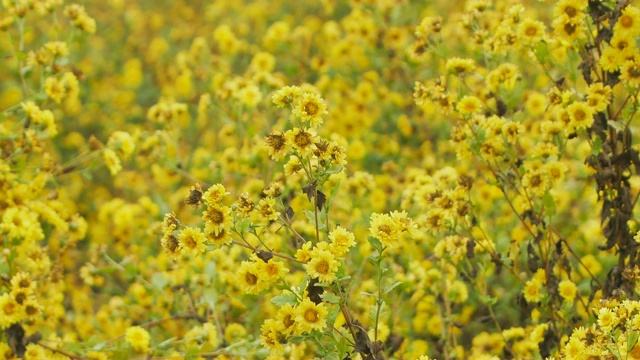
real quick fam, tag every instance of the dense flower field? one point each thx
(363, 179)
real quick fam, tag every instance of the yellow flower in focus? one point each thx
(322, 265)
(341, 240)
(214, 194)
(607, 319)
(276, 144)
(274, 270)
(249, 278)
(287, 317)
(138, 338)
(272, 336)
(310, 316)
(191, 241)
(310, 107)
(217, 218)
(384, 228)
(581, 115)
(303, 141)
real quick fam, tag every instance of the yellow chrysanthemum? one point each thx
(191, 241)
(322, 266)
(310, 107)
(310, 316)
(138, 338)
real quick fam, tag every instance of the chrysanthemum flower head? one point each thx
(191, 241)
(310, 316)
(310, 107)
(322, 265)
(138, 338)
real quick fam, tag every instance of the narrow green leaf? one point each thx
(393, 286)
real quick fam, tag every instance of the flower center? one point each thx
(322, 267)
(251, 279)
(311, 316)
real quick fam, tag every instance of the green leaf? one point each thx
(633, 339)
(542, 51)
(331, 356)
(166, 342)
(375, 243)
(334, 169)
(485, 299)
(330, 298)
(597, 146)
(549, 204)
(311, 216)
(243, 225)
(392, 286)
(284, 299)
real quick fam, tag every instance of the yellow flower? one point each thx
(10, 311)
(267, 209)
(581, 115)
(530, 31)
(310, 316)
(272, 336)
(122, 142)
(276, 144)
(630, 73)
(274, 270)
(249, 278)
(304, 254)
(322, 266)
(628, 23)
(112, 161)
(219, 239)
(469, 105)
(567, 290)
(263, 62)
(384, 228)
(217, 218)
(571, 10)
(532, 291)
(215, 194)
(310, 107)
(22, 280)
(287, 316)
(607, 319)
(303, 141)
(341, 240)
(138, 338)
(457, 65)
(191, 241)
(286, 96)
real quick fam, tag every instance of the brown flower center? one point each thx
(251, 279)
